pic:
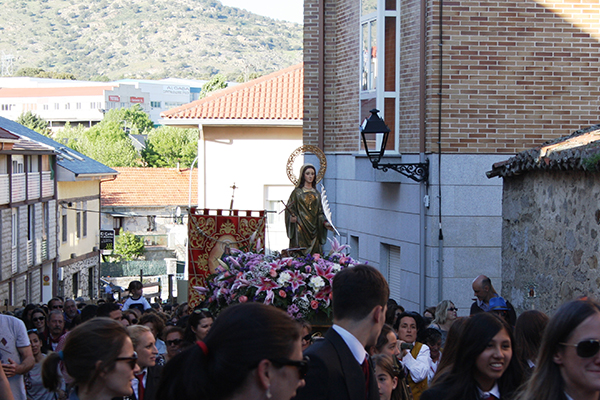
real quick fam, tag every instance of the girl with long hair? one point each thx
(568, 364)
(484, 366)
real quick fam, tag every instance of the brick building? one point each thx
(513, 75)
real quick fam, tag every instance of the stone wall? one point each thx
(550, 231)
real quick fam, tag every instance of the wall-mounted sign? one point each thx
(107, 239)
(114, 98)
(136, 99)
(174, 89)
(46, 280)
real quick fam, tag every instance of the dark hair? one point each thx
(382, 340)
(357, 291)
(29, 307)
(387, 364)
(99, 339)
(170, 329)
(40, 338)
(478, 331)
(301, 181)
(241, 337)
(156, 320)
(546, 381)
(52, 300)
(390, 314)
(431, 336)
(192, 322)
(529, 330)
(450, 347)
(419, 321)
(105, 309)
(88, 312)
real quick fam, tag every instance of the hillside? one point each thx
(145, 38)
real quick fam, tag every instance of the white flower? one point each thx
(336, 267)
(284, 278)
(316, 283)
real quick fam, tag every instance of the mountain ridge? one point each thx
(145, 39)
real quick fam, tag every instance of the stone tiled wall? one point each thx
(551, 222)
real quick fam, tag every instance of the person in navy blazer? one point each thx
(335, 370)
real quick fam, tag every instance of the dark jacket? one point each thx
(334, 373)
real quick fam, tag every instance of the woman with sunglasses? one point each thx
(484, 367)
(568, 364)
(99, 356)
(445, 315)
(173, 341)
(254, 348)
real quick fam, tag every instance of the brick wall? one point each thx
(515, 74)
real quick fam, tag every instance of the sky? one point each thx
(287, 10)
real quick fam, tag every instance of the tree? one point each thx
(129, 246)
(166, 146)
(217, 82)
(40, 73)
(106, 142)
(34, 122)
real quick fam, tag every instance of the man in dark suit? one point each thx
(339, 368)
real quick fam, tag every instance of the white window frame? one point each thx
(379, 92)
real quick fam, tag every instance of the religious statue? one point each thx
(305, 221)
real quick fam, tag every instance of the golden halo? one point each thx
(306, 149)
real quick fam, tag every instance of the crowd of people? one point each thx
(375, 350)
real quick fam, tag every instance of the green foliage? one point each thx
(40, 73)
(217, 82)
(133, 120)
(129, 246)
(34, 122)
(166, 146)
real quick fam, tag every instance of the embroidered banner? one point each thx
(211, 234)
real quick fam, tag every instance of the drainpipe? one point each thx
(440, 234)
(321, 100)
(422, 147)
(201, 168)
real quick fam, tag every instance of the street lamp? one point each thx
(375, 132)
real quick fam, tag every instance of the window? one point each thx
(91, 282)
(45, 163)
(379, 63)
(84, 221)
(15, 228)
(78, 106)
(64, 224)
(17, 164)
(68, 106)
(155, 104)
(117, 225)
(76, 285)
(45, 107)
(45, 222)
(32, 164)
(56, 106)
(30, 222)
(78, 221)
(151, 223)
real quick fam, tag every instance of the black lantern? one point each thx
(375, 135)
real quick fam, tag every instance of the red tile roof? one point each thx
(277, 96)
(150, 187)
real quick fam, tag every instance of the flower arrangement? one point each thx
(301, 286)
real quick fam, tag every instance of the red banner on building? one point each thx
(136, 99)
(114, 98)
(211, 233)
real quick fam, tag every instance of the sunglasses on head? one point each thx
(38, 319)
(201, 310)
(32, 331)
(302, 365)
(585, 348)
(175, 342)
(130, 360)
